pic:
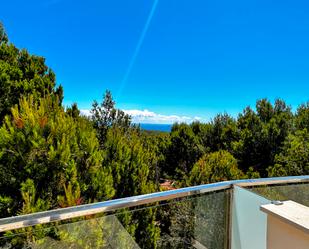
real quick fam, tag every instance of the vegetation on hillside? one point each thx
(53, 157)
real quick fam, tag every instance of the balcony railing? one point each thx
(219, 215)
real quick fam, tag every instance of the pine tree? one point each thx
(59, 153)
(22, 74)
(105, 115)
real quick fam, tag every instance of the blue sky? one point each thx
(197, 57)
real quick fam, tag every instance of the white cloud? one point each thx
(149, 117)
(85, 112)
(146, 116)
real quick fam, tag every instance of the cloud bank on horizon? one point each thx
(149, 117)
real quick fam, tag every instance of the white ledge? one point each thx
(290, 212)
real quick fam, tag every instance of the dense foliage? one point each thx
(214, 167)
(52, 157)
(21, 74)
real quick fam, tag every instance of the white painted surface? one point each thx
(282, 235)
(291, 212)
(249, 224)
(287, 225)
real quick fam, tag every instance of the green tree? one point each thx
(302, 117)
(105, 115)
(214, 167)
(3, 35)
(294, 158)
(184, 150)
(55, 151)
(248, 148)
(262, 134)
(265, 110)
(31, 203)
(131, 161)
(22, 74)
(223, 132)
(73, 110)
(159, 144)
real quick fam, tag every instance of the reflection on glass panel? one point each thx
(211, 226)
(295, 192)
(103, 232)
(200, 222)
(192, 222)
(249, 224)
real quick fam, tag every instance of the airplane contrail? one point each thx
(138, 47)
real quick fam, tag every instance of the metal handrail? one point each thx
(11, 223)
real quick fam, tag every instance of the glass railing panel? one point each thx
(295, 192)
(189, 222)
(249, 224)
(103, 232)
